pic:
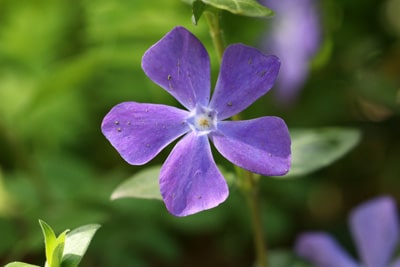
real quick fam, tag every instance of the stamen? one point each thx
(202, 120)
(204, 123)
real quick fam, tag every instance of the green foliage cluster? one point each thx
(65, 63)
(65, 250)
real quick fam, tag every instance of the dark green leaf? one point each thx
(250, 8)
(76, 244)
(143, 184)
(313, 149)
(198, 8)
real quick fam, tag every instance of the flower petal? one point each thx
(179, 63)
(245, 75)
(140, 131)
(396, 263)
(374, 225)
(293, 21)
(322, 251)
(190, 180)
(260, 145)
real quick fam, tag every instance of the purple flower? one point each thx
(294, 38)
(189, 179)
(375, 230)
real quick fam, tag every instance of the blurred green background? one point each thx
(65, 63)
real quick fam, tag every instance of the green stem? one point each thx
(249, 184)
(246, 180)
(216, 33)
(253, 199)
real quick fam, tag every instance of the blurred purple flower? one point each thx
(189, 179)
(295, 38)
(375, 230)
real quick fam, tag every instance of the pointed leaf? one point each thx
(76, 244)
(58, 250)
(313, 149)
(198, 8)
(50, 241)
(143, 184)
(20, 264)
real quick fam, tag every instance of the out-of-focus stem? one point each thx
(19, 154)
(253, 199)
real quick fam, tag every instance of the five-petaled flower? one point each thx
(189, 179)
(375, 230)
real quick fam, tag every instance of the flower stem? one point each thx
(247, 181)
(253, 199)
(216, 33)
(249, 185)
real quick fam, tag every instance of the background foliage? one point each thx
(65, 63)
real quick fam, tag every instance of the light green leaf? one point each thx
(54, 246)
(313, 149)
(50, 241)
(19, 264)
(76, 244)
(143, 184)
(58, 250)
(250, 8)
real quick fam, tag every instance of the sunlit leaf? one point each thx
(19, 264)
(143, 184)
(54, 246)
(76, 244)
(313, 149)
(58, 250)
(50, 240)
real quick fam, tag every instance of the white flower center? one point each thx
(202, 120)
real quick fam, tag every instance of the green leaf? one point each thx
(250, 8)
(313, 149)
(143, 184)
(50, 241)
(76, 244)
(20, 264)
(58, 250)
(54, 246)
(198, 8)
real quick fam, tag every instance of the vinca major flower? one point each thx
(189, 179)
(375, 230)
